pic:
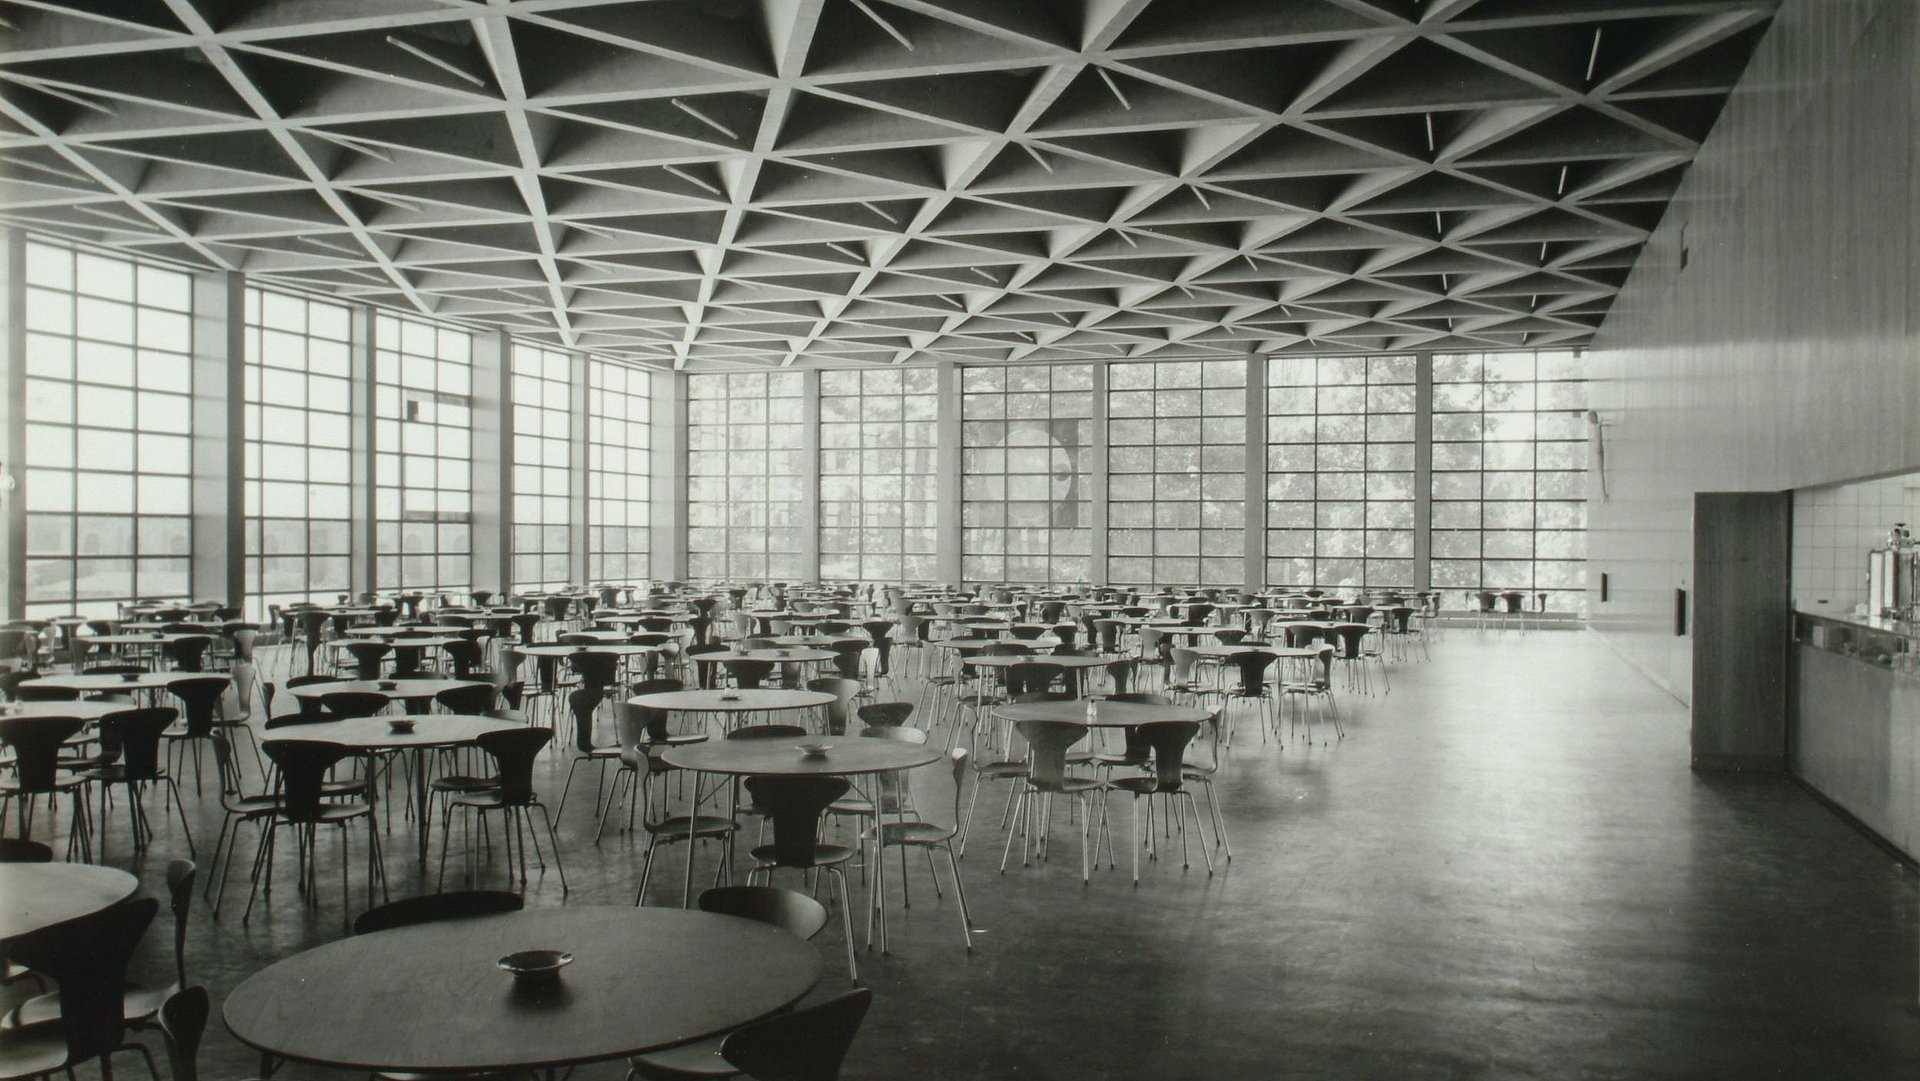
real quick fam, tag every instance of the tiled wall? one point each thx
(1834, 528)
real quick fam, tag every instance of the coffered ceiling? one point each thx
(763, 182)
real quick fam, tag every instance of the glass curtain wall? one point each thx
(1509, 484)
(1026, 463)
(878, 430)
(619, 472)
(1340, 480)
(542, 405)
(299, 463)
(106, 487)
(745, 470)
(423, 465)
(1176, 473)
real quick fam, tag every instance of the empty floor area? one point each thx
(1505, 869)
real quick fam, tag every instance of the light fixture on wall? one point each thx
(1599, 449)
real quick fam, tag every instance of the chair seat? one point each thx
(117, 774)
(458, 783)
(856, 806)
(63, 781)
(910, 833)
(1117, 760)
(332, 814)
(1305, 688)
(703, 826)
(701, 1059)
(32, 1054)
(137, 1004)
(823, 855)
(1001, 769)
(1139, 786)
(1198, 773)
(1071, 786)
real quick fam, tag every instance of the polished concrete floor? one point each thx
(1505, 870)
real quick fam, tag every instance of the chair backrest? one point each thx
(768, 731)
(200, 699)
(841, 708)
(27, 691)
(349, 704)
(1252, 665)
(36, 743)
(1121, 672)
(513, 751)
(748, 674)
(137, 733)
(795, 804)
(433, 907)
(1048, 741)
(88, 957)
(847, 655)
(180, 876)
(791, 911)
(478, 698)
(20, 850)
(183, 1020)
(881, 714)
(303, 766)
(1348, 639)
(1036, 675)
(1182, 669)
(1168, 741)
(807, 1044)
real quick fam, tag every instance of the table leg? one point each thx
(421, 804)
(693, 816)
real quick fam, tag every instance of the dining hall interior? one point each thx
(877, 538)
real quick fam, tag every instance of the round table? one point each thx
(622, 648)
(39, 895)
(756, 700)
(777, 656)
(387, 632)
(1109, 714)
(1225, 649)
(371, 736)
(430, 998)
(140, 681)
(142, 639)
(412, 690)
(86, 711)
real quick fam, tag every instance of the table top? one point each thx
(374, 733)
(1225, 650)
(401, 688)
(1110, 714)
(43, 894)
(815, 639)
(847, 755)
(1002, 660)
(744, 701)
(141, 681)
(86, 711)
(430, 997)
(428, 642)
(781, 656)
(616, 649)
(386, 632)
(143, 639)
(1045, 641)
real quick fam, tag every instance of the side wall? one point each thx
(1785, 353)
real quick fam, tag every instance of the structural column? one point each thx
(667, 495)
(13, 456)
(217, 568)
(1254, 569)
(578, 565)
(1097, 483)
(364, 544)
(947, 520)
(1423, 471)
(809, 523)
(491, 502)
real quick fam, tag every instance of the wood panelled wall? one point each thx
(1767, 337)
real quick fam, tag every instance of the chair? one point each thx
(473, 700)
(36, 742)
(745, 674)
(303, 769)
(807, 1044)
(183, 1020)
(368, 657)
(1202, 773)
(1168, 742)
(433, 907)
(1047, 777)
(1252, 665)
(88, 957)
(140, 1007)
(795, 804)
(669, 829)
(203, 708)
(641, 729)
(15, 850)
(1316, 686)
(926, 836)
(513, 751)
(840, 709)
(236, 807)
(884, 714)
(133, 741)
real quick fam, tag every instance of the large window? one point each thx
(1509, 464)
(542, 448)
(1026, 444)
(299, 472)
(1340, 499)
(423, 465)
(109, 376)
(877, 435)
(619, 472)
(1176, 484)
(745, 466)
